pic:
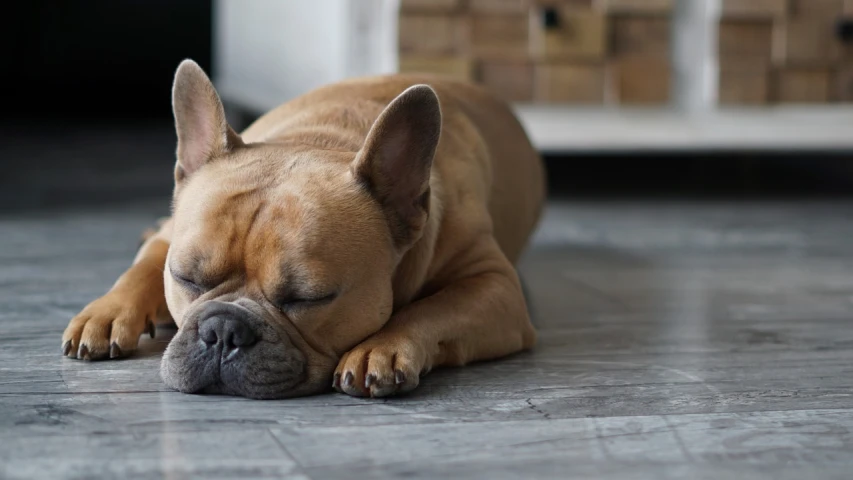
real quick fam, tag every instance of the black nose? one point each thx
(231, 331)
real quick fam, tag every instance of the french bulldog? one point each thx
(354, 238)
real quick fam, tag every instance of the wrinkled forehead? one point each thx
(312, 220)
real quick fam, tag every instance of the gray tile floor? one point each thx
(677, 341)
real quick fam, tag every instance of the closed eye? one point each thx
(188, 283)
(297, 302)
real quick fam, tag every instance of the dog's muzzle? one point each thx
(226, 348)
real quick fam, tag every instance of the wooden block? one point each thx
(499, 36)
(568, 83)
(455, 67)
(641, 80)
(744, 83)
(802, 85)
(842, 84)
(585, 4)
(635, 6)
(640, 35)
(498, 6)
(755, 9)
(512, 80)
(807, 41)
(436, 34)
(567, 34)
(746, 40)
(433, 6)
(825, 9)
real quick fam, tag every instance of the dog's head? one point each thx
(282, 256)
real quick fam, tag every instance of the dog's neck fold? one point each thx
(413, 269)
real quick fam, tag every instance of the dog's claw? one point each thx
(399, 377)
(115, 350)
(348, 378)
(369, 380)
(152, 330)
(336, 380)
(66, 348)
(83, 353)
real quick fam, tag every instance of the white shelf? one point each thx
(567, 129)
(262, 65)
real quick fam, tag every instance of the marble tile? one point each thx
(677, 340)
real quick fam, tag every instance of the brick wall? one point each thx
(617, 52)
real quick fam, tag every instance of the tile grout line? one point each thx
(289, 455)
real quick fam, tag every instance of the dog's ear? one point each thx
(203, 132)
(396, 160)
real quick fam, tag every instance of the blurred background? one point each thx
(623, 97)
(690, 279)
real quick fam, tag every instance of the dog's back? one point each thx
(484, 157)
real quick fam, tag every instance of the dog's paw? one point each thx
(109, 327)
(382, 365)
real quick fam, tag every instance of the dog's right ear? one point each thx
(203, 132)
(396, 160)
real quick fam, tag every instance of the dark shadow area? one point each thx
(696, 176)
(86, 119)
(85, 164)
(99, 58)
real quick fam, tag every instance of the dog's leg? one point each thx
(110, 326)
(482, 315)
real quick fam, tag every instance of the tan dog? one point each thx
(357, 236)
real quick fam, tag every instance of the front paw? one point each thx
(109, 327)
(382, 365)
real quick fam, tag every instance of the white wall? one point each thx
(269, 51)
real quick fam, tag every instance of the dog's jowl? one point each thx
(353, 238)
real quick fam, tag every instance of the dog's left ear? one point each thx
(396, 160)
(203, 132)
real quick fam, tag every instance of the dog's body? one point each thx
(337, 241)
